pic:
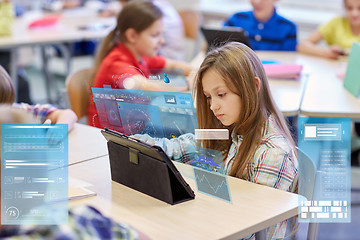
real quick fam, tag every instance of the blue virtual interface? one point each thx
(174, 77)
(324, 169)
(208, 159)
(163, 115)
(159, 114)
(34, 181)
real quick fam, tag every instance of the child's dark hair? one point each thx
(138, 15)
(7, 90)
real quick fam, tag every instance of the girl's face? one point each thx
(263, 9)
(224, 103)
(352, 9)
(149, 41)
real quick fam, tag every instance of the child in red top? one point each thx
(129, 52)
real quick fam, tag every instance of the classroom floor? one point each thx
(345, 231)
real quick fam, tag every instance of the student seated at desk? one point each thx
(45, 113)
(267, 30)
(85, 222)
(339, 34)
(129, 53)
(174, 39)
(232, 92)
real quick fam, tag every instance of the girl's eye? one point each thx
(221, 94)
(207, 97)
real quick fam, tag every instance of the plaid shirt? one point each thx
(84, 223)
(274, 163)
(40, 111)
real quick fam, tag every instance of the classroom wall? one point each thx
(306, 16)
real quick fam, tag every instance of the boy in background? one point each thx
(267, 30)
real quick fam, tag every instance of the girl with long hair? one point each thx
(232, 92)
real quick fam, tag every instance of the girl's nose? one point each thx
(214, 106)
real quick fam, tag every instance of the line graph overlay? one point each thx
(212, 184)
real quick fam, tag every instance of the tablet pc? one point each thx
(216, 37)
(145, 168)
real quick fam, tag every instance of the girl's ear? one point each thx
(258, 83)
(131, 35)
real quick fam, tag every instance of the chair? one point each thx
(78, 88)
(192, 20)
(306, 186)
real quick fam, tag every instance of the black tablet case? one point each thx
(145, 168)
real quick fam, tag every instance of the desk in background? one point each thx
(325, 95)
(66, 30)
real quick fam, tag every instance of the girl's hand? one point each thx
(144, 138)
(47, 121)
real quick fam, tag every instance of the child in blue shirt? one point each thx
(266, 29)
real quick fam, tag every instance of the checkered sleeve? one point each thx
(85, 222)
(89, 223)
(179, 147)
(275, 168)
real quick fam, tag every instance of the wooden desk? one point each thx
(254, 207)
(85, 143)
(324, 94)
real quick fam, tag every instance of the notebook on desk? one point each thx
(145, 168)
(46, 21)
(352, 75)
(76, 193)
(283, 71)
(217, 37)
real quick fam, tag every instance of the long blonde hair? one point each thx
(239, 66)
(138, 15)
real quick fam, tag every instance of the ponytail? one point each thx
(137, 15)
(107, 45)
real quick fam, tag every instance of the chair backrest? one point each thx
(307, 178)
(78, 88)
(192, 21)
(307, 175)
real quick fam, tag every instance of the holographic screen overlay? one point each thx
(173, 77)
(169, 77)
(211, 134)
(159, 114)
(212, 184)
(34, 181)
(207, 159)
(324, 169)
